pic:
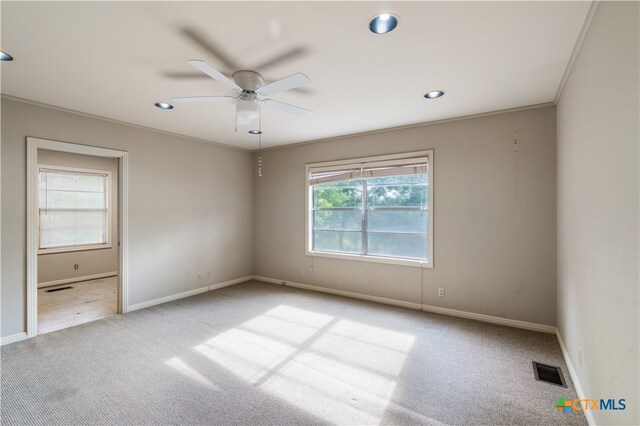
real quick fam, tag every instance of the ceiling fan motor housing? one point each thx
(248, 80)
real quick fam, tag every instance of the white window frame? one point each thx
(368, 161)
(108, 224)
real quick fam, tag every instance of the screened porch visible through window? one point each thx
(372, 209)
(73, 208)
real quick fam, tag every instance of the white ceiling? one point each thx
(116, 59)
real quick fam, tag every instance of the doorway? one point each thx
(76, 234)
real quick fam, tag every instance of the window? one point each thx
(73, 209)
(376, 209)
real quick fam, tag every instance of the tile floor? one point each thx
(86, 301)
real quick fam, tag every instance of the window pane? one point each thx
(70, 200)
(72, 208)
(397, 195)
(397, 220)
(93, 183)
(57, 199)
(396, 207)
(338, 220)
(45, 240)
(72, 181)
(91, 219)
(71, 237)
(420, 178)
(62, 237)
(59, 180)
(90, 200)
(340, 241)
(398, 245)
(338, 194)
(89, 236)
(57, 220)
(71, 219)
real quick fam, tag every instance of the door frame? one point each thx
(33, 145)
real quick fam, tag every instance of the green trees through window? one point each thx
(381, 216)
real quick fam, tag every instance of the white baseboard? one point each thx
(166, 299)
(427, 308)
(13, 338)
(490, 318)
(184, 294)
(77, 279)
(574, 377)
(350, 294)
(230, 282)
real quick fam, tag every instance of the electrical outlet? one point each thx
(209, 275)
(580, 358)
(199, 276)
(441, 292)
(300, 272)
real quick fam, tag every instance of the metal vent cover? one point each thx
(548, 374)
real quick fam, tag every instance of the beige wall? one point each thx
(60, 266)
(495, 212)
(598, 212)
(190, 205)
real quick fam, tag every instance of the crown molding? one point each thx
(576, 48)
(411, 126)
(120, 122)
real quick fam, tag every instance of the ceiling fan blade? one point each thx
(213, 73)
(199, 39)
(287, 56)
(270, 103)
(287, 83)
(188, 99)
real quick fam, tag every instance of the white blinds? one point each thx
(72, 208)
(394, 170)
(319, 175)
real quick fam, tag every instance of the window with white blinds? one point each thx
(73, 208)
(379, 207)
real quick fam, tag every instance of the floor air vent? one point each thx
(58, 289)
(548, 374)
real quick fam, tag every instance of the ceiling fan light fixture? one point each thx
(434, 94)
(5, 57)
(383, 23)
(247, 111)
(164, 105)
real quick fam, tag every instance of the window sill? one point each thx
(373, 259)
(74, 248)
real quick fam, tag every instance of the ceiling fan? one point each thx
(250, 92)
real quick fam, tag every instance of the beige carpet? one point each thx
(258, 353)
(86, 301)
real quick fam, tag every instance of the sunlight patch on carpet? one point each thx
(330, 367)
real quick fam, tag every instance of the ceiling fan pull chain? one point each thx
(259, 140)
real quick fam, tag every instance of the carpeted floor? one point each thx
(258, 353)
(85, 301)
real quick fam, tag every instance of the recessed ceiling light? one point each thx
(164, 105)
(5, 57)
(383, 23)
(434, 94)
(255, 132)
